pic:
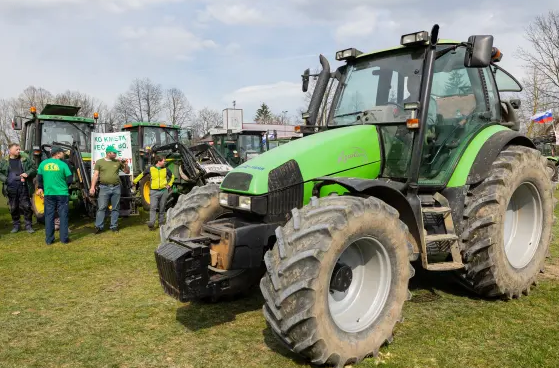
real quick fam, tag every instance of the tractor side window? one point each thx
(459, 108)
(505, 82)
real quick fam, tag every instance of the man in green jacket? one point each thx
(161, 180)
(16, 173)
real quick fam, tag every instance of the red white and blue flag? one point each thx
(543, 117)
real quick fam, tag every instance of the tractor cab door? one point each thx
(134, 139)
(463, 101)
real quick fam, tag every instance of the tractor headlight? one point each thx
(244, 203)
(412, 38)
(223, 199)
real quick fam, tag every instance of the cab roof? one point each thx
(150, 124)
(440, 42)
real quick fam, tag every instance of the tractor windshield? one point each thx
(64, 132)
(250, 144)
(160, 136)
(380, 84)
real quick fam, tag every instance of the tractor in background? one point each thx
(546, 145)
(192, 165)
(420, 163)
(59, 125)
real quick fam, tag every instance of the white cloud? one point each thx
(165, 41)
(117, 6)
(231, 14)
(360, 22)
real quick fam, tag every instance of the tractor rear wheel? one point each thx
(337, 279)
(185, 220)
(38, 206)
(509, 217)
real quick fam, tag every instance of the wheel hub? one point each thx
(341, 278)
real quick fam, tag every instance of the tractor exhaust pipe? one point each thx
(319, 91)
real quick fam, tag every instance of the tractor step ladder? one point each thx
(450, 235)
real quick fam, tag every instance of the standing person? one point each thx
(161, 181)
(54, 177)
(106, 172)
(16, 172)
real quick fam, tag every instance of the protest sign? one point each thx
(121, 141)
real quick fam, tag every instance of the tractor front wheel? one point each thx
(552, 170)
(144, 187)
(508, 219)
(337, 279)
(185, 220)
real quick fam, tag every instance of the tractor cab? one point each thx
(60, 125)
(147, 136)
(55, 123)
(239, 146)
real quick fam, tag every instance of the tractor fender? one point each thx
(491, 149)
(552, 158)
(391, 192)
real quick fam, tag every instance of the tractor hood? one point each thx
(350, 151)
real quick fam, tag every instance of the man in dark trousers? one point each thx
(16, 173)
(106, 171)
(161, 180)
(54, 177)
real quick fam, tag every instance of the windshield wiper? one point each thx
(348, 114)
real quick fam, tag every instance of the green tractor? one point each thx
(60, 125)
(193, 165)
(546, 145)
(420, 163)
(239, 146)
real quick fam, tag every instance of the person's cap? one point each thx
(111, 149)
(54, 150)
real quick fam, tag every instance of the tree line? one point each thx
(144, 101)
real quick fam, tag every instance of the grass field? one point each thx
(97, 303)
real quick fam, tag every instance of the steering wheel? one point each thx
(457, 127)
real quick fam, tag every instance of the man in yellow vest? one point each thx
(161, 182)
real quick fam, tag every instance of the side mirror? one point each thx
(305, 76)
(515, 103)
(17, 123)
(479, 53)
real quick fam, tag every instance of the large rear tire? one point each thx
(185, 220)
(509, 217)
(144, 187)
(308, 308)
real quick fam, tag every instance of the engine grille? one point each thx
(285, 184)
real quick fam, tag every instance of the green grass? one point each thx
(97, 302)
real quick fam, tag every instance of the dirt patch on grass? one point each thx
(551, 272)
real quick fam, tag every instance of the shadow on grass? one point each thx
(426, 286)
(199, 315)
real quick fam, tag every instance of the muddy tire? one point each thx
(552, 170)
(508, 217)
(303, 308)
(192, 210)
(185, 220)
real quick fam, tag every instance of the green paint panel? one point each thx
(462, 170)
(350, 152)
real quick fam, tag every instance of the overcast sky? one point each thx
(218, 51)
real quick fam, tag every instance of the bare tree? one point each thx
(7, 134)
(88, 104)
(142, 102)
(206, 119)
(32, 96)
(543, 59)
(178, 109)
